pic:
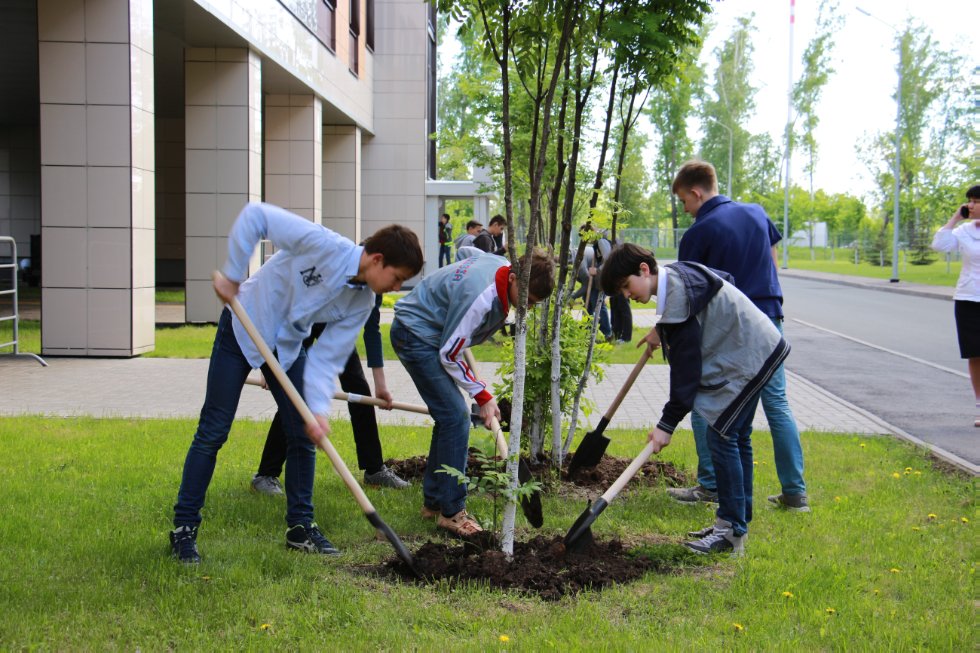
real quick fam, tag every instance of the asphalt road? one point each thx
(891, 354)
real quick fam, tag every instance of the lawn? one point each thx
(884, 562)
(842, 262)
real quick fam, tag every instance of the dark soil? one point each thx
(541, 566)
(599, 477)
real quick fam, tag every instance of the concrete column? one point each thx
(342, 180)
(293, 153)
(95, 62)
(223, 139)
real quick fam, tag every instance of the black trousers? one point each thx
(363, 420)
(622, 318)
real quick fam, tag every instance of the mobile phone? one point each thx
(964, 212)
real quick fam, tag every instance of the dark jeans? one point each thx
(732, 459)
(445, 253)
(362, 418)
(451, 432)
(226, 377)
(622, 318)
(603, 313)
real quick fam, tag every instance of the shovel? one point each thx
(593, 445)
(531, 506)
(579, 537)
(323, 443)
(354, 398)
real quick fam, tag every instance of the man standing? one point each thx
(445, 240)
(740, 239)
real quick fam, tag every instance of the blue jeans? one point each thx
(604, 326)
(451, 432)
(445, 254)
(732, 459)
(786, 446)
(226, 377)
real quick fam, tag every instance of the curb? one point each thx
(921, 290)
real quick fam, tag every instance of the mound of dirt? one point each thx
(599, 477)
(541, 566)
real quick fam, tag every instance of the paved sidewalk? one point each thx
(157, 387)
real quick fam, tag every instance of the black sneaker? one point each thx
(721, 539)
(183, 543)
(310, 539)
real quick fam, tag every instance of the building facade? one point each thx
(132, 132)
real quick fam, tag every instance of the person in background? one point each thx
(591, 266)
(620, 316)
(962, 233)
(445, 240)
(473, 228)
(491, 239)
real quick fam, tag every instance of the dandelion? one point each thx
(788, 595)
(831, 611)
(863, 445)
(877, 592)
(896, 475)
(916, 528)
(504, 638)
(837, 499)
(917, 473)
(205, 578)
(908, 470)
(964, 520)
(895, 570)
(265, 626)
(931, 515)
(738, 627)
(755, 463)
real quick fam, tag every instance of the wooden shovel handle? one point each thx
(323, 443)
(635, 372)
(628, 473)
(354, 398)
(498, 432)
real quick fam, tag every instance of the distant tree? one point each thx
(729, 106)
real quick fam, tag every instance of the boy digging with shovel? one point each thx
(722, 350)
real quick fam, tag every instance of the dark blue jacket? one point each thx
(737, 238)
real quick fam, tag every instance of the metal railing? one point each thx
(14, 316)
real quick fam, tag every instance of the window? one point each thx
(355, 31)
(369, 27)
(326, 23)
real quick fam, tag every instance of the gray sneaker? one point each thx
(267, 485)
(695, 494)
(721, 539)
(385, 477)
(794, 502)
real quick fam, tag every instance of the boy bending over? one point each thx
(316, 276)
(722, 350)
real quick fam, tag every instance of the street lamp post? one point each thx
(898, 146)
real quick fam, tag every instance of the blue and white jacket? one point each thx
(307, 280)
(459, 306)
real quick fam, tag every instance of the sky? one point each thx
(859, 98)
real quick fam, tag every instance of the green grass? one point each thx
(843, 263)
(86, 565)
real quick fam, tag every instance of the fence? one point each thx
(11, 292)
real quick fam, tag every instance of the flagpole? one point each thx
(789, 138)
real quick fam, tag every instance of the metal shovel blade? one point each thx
(530, 506)
(590, 450)
(396, 542)
(579, 538)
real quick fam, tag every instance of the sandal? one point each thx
(460, 524)
(430, 513)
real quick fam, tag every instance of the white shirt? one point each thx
(966, 238)
(661, 288)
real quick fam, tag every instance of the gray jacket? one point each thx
(721, 348)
